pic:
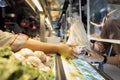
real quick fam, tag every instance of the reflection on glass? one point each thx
(105, 19)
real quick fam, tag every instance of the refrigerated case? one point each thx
(98, 12)
(77, 69)
(59, 69)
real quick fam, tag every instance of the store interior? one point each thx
(50, 21)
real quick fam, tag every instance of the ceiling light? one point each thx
(38, 5)
(48, 22)
(3, 3)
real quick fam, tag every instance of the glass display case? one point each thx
(77, 69)
(98, 12)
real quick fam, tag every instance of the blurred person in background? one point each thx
(110, 30)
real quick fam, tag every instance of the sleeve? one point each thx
(14, 40)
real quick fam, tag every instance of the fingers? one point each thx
(72, 55)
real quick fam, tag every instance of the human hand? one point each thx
(77, 48)
(67, 51)
(93, 57)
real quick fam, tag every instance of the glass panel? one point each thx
(105, 20)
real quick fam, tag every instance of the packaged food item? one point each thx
(77, 32)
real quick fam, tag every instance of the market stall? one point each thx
(36, 65)
(77, 69)
(26, 65)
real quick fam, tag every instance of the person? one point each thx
(110, 30)
(19, 41)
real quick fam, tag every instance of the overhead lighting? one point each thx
(3, 3)
(38, 5)
(48, 22)
(11, 15)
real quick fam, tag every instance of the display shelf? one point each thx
(106, 40)
(77, 69)
(97, 10)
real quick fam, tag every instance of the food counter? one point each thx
(27, 66)
(77, 69)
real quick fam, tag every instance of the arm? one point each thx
(20, 41)
(37, 45)
(62, 49)
(115, 60)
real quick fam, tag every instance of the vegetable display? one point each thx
(13, 69)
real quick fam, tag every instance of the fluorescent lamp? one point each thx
(38, 5)
(48, 22)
